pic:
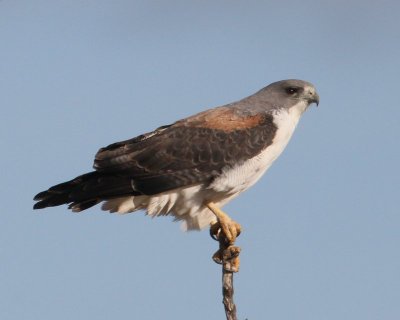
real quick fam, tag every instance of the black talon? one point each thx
(215, 231)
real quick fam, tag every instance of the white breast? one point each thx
(243, 176)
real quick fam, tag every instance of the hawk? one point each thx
(193, 167)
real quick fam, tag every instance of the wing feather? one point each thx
(185, 153)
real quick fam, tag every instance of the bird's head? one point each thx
(288, 93)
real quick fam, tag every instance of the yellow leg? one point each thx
(231, 229)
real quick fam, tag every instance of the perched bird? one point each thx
(191, 168)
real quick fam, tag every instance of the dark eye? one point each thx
(292, 90)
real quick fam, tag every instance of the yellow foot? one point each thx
(230, 229)
(227, 228)
(229, 258)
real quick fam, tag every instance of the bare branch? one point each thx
(228, 257)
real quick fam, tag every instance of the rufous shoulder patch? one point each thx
(222, 119)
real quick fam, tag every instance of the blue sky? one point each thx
(321, 229)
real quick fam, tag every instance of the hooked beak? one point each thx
(314, 98)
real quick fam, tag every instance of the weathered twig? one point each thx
(228, 257)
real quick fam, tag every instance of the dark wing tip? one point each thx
(48, 199)
(39, 205)
(40, 196)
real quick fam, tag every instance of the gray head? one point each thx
(287, 93)
(283, 94)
